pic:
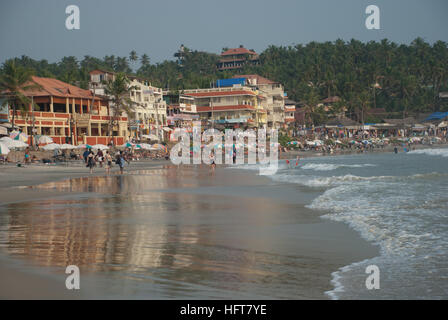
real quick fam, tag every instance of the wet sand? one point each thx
(166, 232)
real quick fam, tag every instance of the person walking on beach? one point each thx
(27, 156)
(120, 161)
(100, 157)
(85, 155)
(108, 159)
(234, 154)
(91, 161)
(212, 161)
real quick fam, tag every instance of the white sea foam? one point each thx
(403, 212)
(431, 152)
(394, 214)
(331, 166)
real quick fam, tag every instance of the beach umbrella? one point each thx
(127, 145)
(3, 130)
(51, 147)
(13, 144)
(310, 143)
(4, 150)
(19, 136)
(100, 147)
(158, 147)
(66, 146)
(338, 142)
(150, 137)
(145, 146)
(84, 146)
(45, 140)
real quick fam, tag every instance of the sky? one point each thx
(36, 28)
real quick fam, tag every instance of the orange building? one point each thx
(70, 114)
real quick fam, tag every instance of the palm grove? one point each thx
(403, 79)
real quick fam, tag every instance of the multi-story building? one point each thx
(273, 101)
(236, 58)
(149, 109)
(290, 109)
(179, 110)
(232, 107)
(69, 114)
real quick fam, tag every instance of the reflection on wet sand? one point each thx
(128, 225)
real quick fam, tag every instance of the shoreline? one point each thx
(387, 149)
(339, 232)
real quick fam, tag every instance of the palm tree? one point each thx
(133, 56)
(144, 59)
(119, 102)
(311, 102)
(14, 80)
(363, 99)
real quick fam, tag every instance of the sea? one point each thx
(189, 234)
(398, 202)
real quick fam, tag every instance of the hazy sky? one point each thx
(37, 27)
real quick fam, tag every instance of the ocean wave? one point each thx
(396, 215)
(331, 166)
(431, 152)
(333, 181)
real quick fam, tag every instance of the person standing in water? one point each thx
(120, 161)
(91, 161)
(108, 159)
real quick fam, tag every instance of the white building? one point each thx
(149, 110)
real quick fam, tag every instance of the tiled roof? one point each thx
(225, 108)
(99, 71)
(57, 88)
(220, 93)
(237, 51)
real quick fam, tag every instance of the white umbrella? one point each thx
(4, 150)
(150, 136)
(3, 130)
(66, 146)
(100, 147)
(13, 144)
(146, 146)
(45, 139)
(51, 147)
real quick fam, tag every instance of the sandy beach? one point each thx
(263, 225)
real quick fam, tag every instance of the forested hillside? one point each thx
(403, 79)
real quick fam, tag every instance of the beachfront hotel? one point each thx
(68, 114)
(229, 105)
(179, 110)
(273, 98)
(149, 110)
(239, 102)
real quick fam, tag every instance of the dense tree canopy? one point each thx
(403, 79)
